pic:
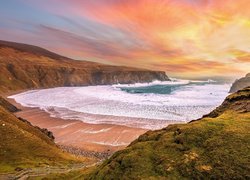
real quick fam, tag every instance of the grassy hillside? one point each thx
(24, 66)
(214, 147)
(22, 145)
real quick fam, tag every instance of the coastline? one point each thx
(97, 139)
(71, 132)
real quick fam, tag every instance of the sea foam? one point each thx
(104, 104)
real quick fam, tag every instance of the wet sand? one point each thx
(77, 134)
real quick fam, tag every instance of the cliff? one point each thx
(213, 147)
(240, 83)
(24, 67)
(8, 106)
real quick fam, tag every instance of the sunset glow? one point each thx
(185, 38)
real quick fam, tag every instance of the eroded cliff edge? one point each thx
(24, 67)
(240, 83)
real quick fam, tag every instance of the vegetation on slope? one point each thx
(214, 147)
(25, 146)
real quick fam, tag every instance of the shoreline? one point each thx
(94, 138)
(71, 132)
(100, 138)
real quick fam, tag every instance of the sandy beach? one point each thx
(90, 137)
(87, 137)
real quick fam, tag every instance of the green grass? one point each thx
(210, 148)
(22, 145)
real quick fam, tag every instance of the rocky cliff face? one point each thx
(24, 66)
(240, 83)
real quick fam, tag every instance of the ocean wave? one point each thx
(105, 143)
(173, 81)
(156, 82)
(103, 104)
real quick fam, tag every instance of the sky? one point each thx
(185, 38)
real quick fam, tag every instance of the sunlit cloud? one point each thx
(181, 37)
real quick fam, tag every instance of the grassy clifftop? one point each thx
(214, 147)
(23, 145)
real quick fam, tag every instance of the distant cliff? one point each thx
(24, 66)
(240, 83)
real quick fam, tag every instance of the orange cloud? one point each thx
(187, 37)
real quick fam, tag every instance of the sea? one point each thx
(140, 105)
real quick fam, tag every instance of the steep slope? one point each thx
(24, 66)
(23, 145)
(216, 146)
(8, 106)
(240, 83)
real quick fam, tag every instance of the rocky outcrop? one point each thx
(25, 67)
(240, 83)
(45, 131)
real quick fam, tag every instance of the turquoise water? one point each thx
(155, 89)
(161, 89)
